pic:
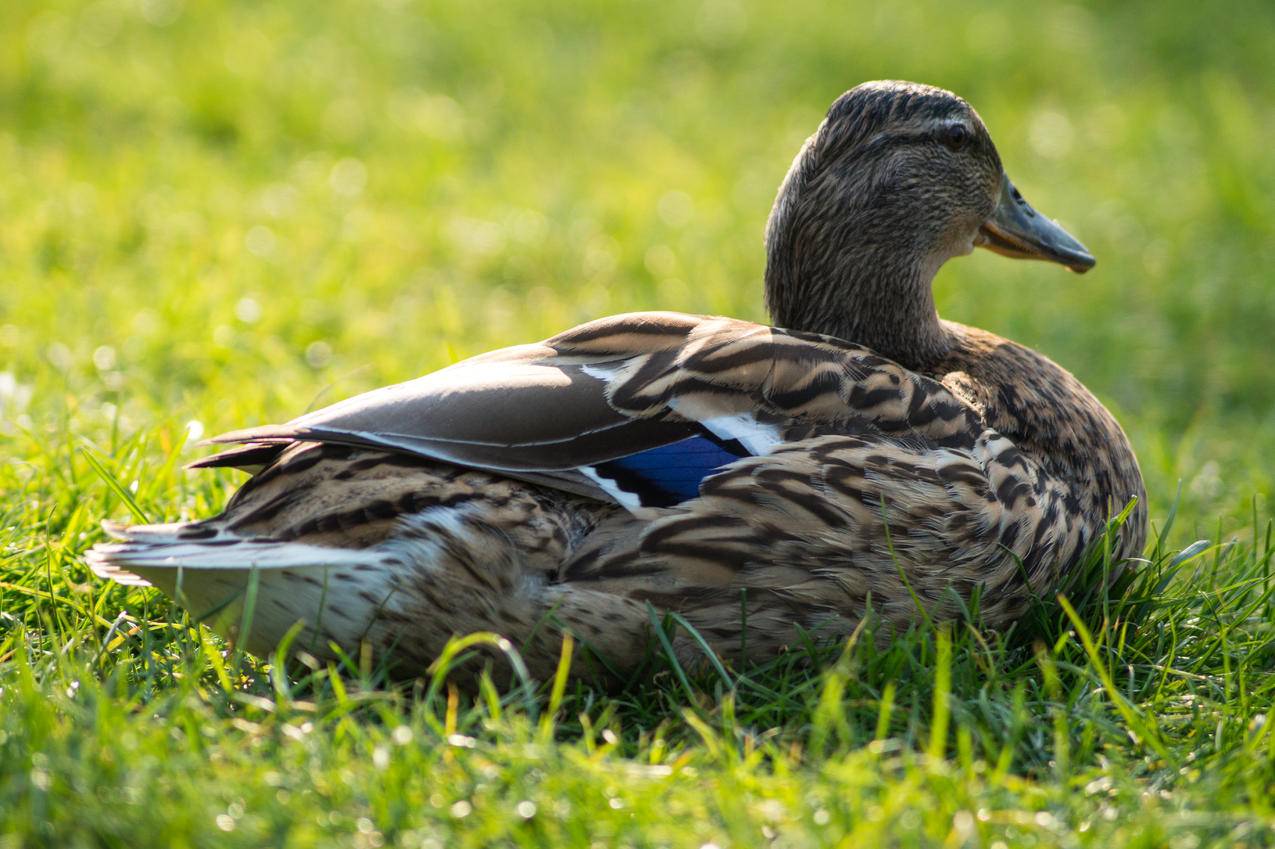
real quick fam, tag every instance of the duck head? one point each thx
(898, 179)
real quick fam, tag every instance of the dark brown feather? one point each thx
(898, 459)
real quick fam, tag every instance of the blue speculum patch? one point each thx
(670, 474)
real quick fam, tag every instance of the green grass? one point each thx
(217, 214)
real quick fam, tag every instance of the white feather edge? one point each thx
(628, 500)
(241, 555)
(211, 581)
(759, 439)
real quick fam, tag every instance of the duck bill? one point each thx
(1016, 229)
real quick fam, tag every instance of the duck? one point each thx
(760, 485)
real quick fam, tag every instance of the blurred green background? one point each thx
(227, 212)
(215, 214)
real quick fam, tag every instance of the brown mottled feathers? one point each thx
(820, 525)
(878, 472)
(583, 397)
(731, 472)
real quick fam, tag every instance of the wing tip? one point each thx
(259, 433)
(103, 560)
(250, 457)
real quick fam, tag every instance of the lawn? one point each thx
(219, 214)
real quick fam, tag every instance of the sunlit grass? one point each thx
(217, 214)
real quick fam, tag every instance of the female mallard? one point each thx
(761, 482)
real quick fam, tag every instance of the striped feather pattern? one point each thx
(761, 482)
(876, 469)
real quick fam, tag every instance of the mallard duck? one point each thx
(762, 482)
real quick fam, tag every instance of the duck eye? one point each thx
(955, 136)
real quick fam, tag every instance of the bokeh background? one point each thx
(214, 213)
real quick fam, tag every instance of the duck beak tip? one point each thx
(1015, 229)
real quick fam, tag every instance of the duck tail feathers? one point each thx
(145, 555)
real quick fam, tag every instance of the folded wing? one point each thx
(637, 409)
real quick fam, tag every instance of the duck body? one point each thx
(763, 483)
(821, 472)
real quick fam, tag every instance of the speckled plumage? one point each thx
(545, 487)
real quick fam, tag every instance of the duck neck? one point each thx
(873, 295)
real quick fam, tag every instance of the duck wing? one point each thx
(637, 409)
